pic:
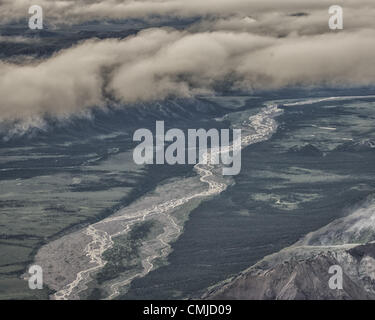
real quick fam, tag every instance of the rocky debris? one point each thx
(296, 279)
(301, 272)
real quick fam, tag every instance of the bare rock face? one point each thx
(301, 271)
(293, 279)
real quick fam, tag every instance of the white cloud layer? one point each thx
(81, 10)
(246, 44)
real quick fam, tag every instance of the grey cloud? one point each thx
(160, 62)
(70, 11)
(250, 44)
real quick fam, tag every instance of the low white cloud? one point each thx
(245, 44)
(70, 11)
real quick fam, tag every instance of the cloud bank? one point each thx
(247, 45)
(82, 10)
